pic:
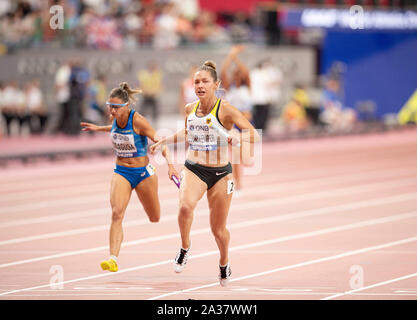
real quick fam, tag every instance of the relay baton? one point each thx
(176, 180)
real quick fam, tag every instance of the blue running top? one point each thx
(126, 142)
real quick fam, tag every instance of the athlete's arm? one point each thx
(143, 127)
(86, 126)
(177, 137)
(229, 116)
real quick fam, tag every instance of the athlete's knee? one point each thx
(154, 216)
(220, 232)
(186, 210)
(117, 215)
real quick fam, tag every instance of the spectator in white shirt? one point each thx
(265, 90)
(14, 107)
(36, 107)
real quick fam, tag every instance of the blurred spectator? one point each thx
(113, 24)
(78, 84)
(187, 92)
(150, 82)
(36, 107)
(62, 96)
(14, 109)
(1, 108)
(189, 8)
(96, 101)
(333, 114)
(237, 83)
(206, 30)
(184, 30)
(166, 28)
(148, 27)
(239, 29)
(5, 7)
(103, 33)
(18, 27)
(294, 114)
(132, 24)
(266, 82)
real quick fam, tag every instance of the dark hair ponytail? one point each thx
(124, 92)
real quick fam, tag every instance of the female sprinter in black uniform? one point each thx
(207, 168)
(129, 134)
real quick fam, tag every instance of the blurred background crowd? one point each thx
(72, 90)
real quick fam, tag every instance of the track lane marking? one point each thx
(253, 245)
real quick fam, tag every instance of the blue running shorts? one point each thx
(135, 175)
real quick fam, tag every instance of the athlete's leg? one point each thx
(147, 191)
(236, 161)
(237, 175)
(191, 191)
(120, 192)
(219, 199)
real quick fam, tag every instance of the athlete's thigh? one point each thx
(219, 198)
(192, 188)
(147, 191)
(120, 191)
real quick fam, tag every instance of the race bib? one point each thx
(230, 186)
(202, 142)
(151, 169)
(123, 145)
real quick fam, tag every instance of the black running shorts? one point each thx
(210, 175)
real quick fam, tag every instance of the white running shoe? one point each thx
(181, 260)
(224, 275)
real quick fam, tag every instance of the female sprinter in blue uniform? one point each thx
(207, 166)
(129, 134)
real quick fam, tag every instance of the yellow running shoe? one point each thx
(110, 265)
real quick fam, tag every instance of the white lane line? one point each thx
(48, 183)
(104, 167)
(371, 286)
(55, 192)
(246, 206)
(98, 211)
(79, 199)
(280, 186)
(58, 171)
(260, 190)
(71, 183)
(298, 265)
(252, 245)
(406, 291)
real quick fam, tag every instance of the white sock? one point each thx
(224, 265)
(113, 257)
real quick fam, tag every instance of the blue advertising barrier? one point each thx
(380, 66)
(377, 49)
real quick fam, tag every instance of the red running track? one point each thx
(329, 218)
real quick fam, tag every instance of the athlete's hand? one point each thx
(153, 148)
(234, 138)
(172, 171)
(236, 49)
(86, 126)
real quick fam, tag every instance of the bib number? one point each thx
(230, 186)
